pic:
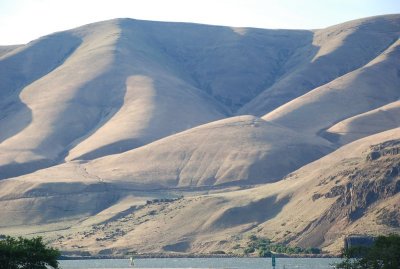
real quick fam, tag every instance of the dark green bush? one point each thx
(23, 253)
(264, 247)
(383, 254)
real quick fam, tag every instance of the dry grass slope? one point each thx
(122, 118)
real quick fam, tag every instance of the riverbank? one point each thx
(147, 256)
(67, 256)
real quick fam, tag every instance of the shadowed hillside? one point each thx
(113, 86)
(335, 51)
(128, 135)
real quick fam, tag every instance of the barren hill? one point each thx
(243, 150)
(335, 51)
(113, 86)
(368, 123)
(104, 127)
(369, 87)
(352, 190)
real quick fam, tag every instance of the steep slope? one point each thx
(242, 150)
(374, 85)
(352, 190)
(368, 123)
(233, 65)
(335, 51)
(208, 60)
(7, 49)
(42, 123)
(112, 86)
(52, 106)
(22, 66)
(124, 117)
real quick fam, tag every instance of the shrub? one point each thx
(383, 254)
(249, 250)
(253, 237)
(218, 252)
(262, 252)
(23, 253)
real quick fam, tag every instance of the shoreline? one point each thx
(174, 255)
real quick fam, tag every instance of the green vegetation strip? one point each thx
(264, 248)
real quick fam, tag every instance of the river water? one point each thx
(227, 263)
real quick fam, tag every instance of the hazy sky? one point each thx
(24, 20)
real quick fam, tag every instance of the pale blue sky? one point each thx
(24, 20)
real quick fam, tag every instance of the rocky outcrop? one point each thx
(374, 179)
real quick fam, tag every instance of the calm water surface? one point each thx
(231, 263)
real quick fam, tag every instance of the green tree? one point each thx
(253, 237)
(312, 250)
(249, 250)
(383, 254)
(9, 253)
(263, 252)
(23, 253)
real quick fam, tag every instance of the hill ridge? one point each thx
(220, 131)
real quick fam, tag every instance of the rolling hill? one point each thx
(287, 134)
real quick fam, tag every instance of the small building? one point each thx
(358, 241)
